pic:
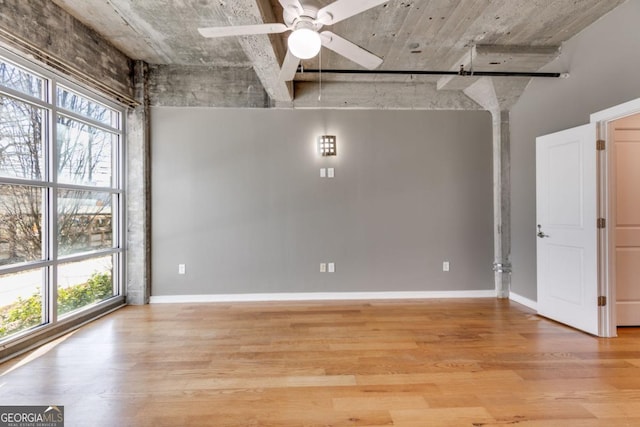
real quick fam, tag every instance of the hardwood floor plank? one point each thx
(634, 362)
(548, 410)
(446, 379)
(580, 422)
(614, 409)
(269, 382)
(441, 417)
(382, 402)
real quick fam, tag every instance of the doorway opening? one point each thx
(618, 127)
(624, 213)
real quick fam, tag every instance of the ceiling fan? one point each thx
(305, 41)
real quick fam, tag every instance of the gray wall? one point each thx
(603, 60)
(237, 197)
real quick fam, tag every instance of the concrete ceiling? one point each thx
(510, 35)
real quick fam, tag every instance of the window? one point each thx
(61, 199)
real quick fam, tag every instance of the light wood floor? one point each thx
(425, 363)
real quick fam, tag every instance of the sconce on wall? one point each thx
(327, 145)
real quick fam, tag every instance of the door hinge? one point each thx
(602, 301)
(602, 223)
(600, 144)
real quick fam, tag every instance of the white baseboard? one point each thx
(319, 296)
(533, 305)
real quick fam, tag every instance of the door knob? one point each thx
(541, 233)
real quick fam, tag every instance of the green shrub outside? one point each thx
(26, 313)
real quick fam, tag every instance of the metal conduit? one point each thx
(463, 73)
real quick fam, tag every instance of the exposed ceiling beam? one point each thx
(265, 52)
(498, 58)
(378, 95)
(504, 92)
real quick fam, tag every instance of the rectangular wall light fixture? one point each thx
(327, 145)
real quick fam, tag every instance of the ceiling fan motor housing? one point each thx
(306, 23)
(294, 16)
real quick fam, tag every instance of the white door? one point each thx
(626, 217)
(567, 251)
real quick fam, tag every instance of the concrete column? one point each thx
(484, 92)
(502, 203)
(138, 191)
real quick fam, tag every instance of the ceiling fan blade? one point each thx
(289, 67)
(350, 50)
(243, 30)
(292, 4)
(343, 9)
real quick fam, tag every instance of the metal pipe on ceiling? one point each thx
(463, 73)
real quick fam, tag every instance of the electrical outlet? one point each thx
(323, 267)
(445, 266)
(182, 269)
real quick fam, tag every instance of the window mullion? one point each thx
(119, 164)
(52, 177)
(80, 118)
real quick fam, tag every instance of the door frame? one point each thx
(606, 238)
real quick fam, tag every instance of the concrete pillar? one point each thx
(484, 92)
(138, 191)
(501, 203)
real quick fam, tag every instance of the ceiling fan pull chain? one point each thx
(320, 76)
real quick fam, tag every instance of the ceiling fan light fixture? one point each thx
(304, 43)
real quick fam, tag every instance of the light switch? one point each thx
(332, 267)
(323, 267)
(330, 172)
(323, 172)
(182, 269)
(445, 266)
